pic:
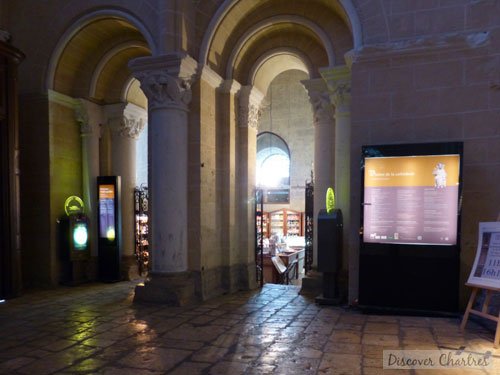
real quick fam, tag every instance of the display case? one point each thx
(141, 229)
(293, 223)
(285, 221)
(265, 226)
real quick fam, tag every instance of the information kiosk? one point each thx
(109, 228)
(410, 220)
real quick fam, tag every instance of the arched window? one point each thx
(273, 162)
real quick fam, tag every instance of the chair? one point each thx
(284, 271)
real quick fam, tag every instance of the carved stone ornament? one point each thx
(163, 90)
(131, 127)
(322, 107)
(249, 116)
(341, 95)
(82, 118)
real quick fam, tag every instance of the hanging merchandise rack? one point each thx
(141, 229)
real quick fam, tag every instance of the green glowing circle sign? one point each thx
(330, 200)
(80, 236)
(73, 205)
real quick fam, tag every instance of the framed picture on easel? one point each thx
(485, 274)
(486, 269)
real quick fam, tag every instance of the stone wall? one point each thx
(434, 79)
(289, 115)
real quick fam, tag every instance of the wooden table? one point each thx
(271, 274)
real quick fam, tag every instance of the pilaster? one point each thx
(324, 138)
(338, 81)
(126, 121)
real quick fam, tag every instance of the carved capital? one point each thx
(164, 90)
(82, 118)
(126, 119)
(131, 126)
(166, 80)
(250, 116)
(250, 99)
(88, 115)
(319, 97)
(338, 81)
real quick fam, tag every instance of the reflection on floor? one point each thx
(96, 329)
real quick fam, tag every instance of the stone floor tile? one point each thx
(346, 336)
(127, 371)
(340, 364)
(378, 339)
(209, 354)
(190, 368)
(385, 328)
(224, 368)
(335, 347)
(155, 359)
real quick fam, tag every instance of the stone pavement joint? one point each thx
(97, 329)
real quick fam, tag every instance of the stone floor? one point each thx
(96, 329)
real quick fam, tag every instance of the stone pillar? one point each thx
(126, 121)
(338, 80)
(324, 159)
(89, 116)
(250, 100)
(227, 169)
(166, 81)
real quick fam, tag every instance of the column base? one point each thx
(176, 289)
(312, 283)
(130, 268)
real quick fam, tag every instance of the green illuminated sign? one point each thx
(330, 200)
(73, 205)
(110, 234)
(80, 236)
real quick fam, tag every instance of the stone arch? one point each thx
(273, 21)
(348, 7)
(81, 24)
(275, 62)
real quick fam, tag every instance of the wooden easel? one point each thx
(484, 311)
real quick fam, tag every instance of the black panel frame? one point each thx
(406, 277)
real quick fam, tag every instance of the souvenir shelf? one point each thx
(288, 222)
(265, 230)
(141, 229)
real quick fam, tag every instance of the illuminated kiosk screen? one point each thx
(107, 212)
(411, 199)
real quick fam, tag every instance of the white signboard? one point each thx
(486, 268)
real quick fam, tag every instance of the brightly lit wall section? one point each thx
(273, 168)
(411, 199)
(273, 161)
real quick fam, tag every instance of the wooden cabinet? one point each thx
(285, 221)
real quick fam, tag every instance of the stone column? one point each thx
(338, 80)
(324, 159)
(126, 122)
(250, 100)
(89, 116)
(166, 81)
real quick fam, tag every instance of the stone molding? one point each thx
(211, 77)
(62, 99)
(338, 82)
(126, 119)
(230, 86)
(166, 80)
(319, 97)
(427, 44)
(250, 100)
